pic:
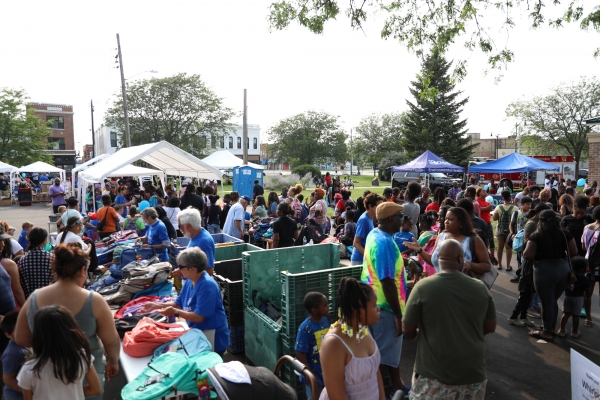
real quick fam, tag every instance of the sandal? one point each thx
(588, 322)
(500, 267)
(538, 335)
(508, 269)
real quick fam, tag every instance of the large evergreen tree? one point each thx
(433, 120)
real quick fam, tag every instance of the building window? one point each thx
(255, 143)
(113, 139)
(56, 143)
(230, 142)
(57, 122)
(239, 143)
(222, 142)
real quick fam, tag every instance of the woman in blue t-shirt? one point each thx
(199, 302)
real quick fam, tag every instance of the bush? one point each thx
(277, 182)
(302, 170)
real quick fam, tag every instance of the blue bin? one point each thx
(223, 238)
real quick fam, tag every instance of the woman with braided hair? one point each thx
(349, 355)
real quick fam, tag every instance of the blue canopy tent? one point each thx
(427, 163)
(514, 162)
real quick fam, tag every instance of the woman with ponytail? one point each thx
(90, 310)
(349, 355)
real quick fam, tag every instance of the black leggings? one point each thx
(520, 309)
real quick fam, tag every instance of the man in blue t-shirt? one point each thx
(364, 225)
(190, 224)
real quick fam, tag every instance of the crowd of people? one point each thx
(444, 242)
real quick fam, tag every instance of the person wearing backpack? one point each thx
(517, 224)
(503, 214)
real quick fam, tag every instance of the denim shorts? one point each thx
(390, 346)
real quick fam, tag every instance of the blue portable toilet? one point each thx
(243, 179)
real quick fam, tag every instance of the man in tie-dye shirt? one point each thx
(383, 269)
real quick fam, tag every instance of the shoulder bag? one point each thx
(489, 277)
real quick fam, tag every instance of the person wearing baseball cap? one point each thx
(383, 270)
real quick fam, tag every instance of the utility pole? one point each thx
(127, 137)
(93, 132)
(245, 142)
(351, 154)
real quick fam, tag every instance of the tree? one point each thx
(376, 136)
(436, 125)
(179, 109)
(559, 117)
(23, 135)
(427, 25)
(309, 138)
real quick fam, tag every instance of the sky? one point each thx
(64, 52)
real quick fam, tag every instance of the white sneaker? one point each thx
(516, 322)
(527, 322)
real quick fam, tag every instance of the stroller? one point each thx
(265, 384)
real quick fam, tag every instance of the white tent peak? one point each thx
(42, 167)
(224, 159)
(89, 163)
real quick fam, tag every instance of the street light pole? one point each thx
(127, 137)
(93, 132)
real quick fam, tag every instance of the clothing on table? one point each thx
(204, 242)
(551, 248)
(286, 228)
(12, 360)
(34, 270)
(86, 320)
(484, 215)
(360, 375)
(465, 244)
(308, 341)
(363, 227)
(204, 298)
(236, 213)
(401, 237)
(413, 211)
(450, 310)
(383, 261)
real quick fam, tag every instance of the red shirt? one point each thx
(433, 206)
(484, 215)
(328, 180)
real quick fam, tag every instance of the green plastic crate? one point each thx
(287, 372)
(234, 251)
(296, 286)
(262, 338)
(262, 268)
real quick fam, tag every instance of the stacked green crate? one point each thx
(262, 274)
(233, 252)
(293, 313)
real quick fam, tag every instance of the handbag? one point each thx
(489, 277)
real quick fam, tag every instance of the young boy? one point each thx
(573, 301)
(310, 335)
(12, 359)
(405, 235)
(23, 236)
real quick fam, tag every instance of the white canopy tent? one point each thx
(41, 167)
(224, 159)
(165, 157)
(12, 172)
(89, 163)
(128, 170)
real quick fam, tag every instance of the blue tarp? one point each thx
(514, 163)
(428, 162)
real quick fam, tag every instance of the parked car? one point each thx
(435, 179)
(583, 173)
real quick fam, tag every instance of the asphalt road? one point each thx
(518, 367)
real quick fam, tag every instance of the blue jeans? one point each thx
(213, 229)
(535, 300)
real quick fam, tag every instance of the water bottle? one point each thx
(304, 241)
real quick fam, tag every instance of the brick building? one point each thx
(492, 147)
(61, 144)
(87, 151)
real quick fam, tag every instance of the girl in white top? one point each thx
(61, 360)
(71, 234)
